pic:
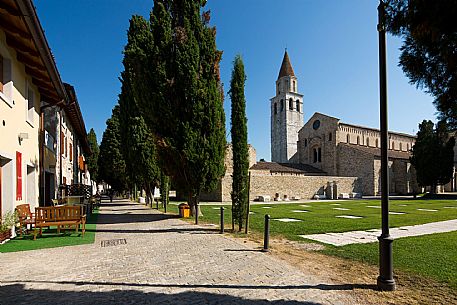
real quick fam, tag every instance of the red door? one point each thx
(1, 193)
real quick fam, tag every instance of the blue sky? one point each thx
(333, 47)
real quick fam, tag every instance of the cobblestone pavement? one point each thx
(158, 259)
(371, 236)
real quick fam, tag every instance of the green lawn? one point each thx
(431, 255)
(51, 239)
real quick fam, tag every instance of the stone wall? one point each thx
(305, 187)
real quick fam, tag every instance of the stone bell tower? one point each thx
(286, 115)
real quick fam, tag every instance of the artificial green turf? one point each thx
(432, 255)
(51, 239)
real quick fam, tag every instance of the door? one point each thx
(1, 213)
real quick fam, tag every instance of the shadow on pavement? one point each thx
(17, 294)
(174, 230)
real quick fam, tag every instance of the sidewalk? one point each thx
(143, 257)
(371, 236)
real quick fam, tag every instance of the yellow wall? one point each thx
(15, 119)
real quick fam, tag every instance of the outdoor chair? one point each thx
(26, 217)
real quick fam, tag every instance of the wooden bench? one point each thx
(59, 216)
(26, 217)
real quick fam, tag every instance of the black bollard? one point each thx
(266, 236)
(165, 207)
(222, 220)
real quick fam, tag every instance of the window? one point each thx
(348, 138)
(330, 136)
(368, 142)
(62, 143)
(319, 155)
(64, 180)
(377, 143)
(306, 142)
(282, 105)
(291, 104)
(66, 147)
(298, 105)
(401, 148)
(358, 140)
(275, 108)
(315, 155)
(295, 90)
(278, 89)
(393, 145)
(6, 82)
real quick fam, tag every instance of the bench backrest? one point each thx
(23, 211)
(58, 213)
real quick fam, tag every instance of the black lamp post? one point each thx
(385, 278)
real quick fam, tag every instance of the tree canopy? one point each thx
(433, 154)
(428, 54)
(175, 64)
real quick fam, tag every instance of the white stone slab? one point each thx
(335, 203)
(397, 213)
(373, 206)
(251, 213)
(266, 207)
(402, 205)
(287, 219)
(299, 211)
(427, 210)
(450, 207)
(305, 205)
(341, 209)
(349, 216)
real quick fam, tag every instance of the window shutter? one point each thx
(62, 144)
(71, 152)
(18, 176)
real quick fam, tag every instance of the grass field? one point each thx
(432, 256)
(51, 239)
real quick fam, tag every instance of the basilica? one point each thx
(322, 158)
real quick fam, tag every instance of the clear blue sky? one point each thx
(332, 44)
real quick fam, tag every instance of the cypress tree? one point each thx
(92, 160)
(111, 162)
(239, 132)
(164, 189)
(177, 75)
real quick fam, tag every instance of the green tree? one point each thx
(177, 74)
(433, 154)
(428, 55)
(164, 188)
(239, 132)
(139, 148)
(92, 160)
(111, 163)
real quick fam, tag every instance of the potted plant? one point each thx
(7, 222)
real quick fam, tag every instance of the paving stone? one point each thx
(165, 261)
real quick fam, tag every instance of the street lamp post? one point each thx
(385, 278)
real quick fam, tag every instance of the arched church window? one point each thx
(393, 145)
(298, 105)
(330, 136)
(291, 104)
(315, 155)
(282, 105)
(276, 108)
(377, 143)
(279, 91)
(401, 146)
(348, 139)
(306, 142)
(358, 140)
(319, 155)
(368, 141)
(294, 87)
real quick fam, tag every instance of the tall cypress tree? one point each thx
(177, 75)
(239, 132)
(164, 188)
(111, 162)
(92, 160)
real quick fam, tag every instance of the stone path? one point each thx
(151, 258)
(370, 236)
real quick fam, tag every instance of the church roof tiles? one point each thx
(288, 168)
(286, 67)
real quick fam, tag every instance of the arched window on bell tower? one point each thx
(291, 104)
(275, 108)
(282, 105)
(298, 105)
(295, 87)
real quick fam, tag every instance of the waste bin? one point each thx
(184, 210)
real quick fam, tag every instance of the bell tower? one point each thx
(286, 115)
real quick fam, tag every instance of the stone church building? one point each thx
(324, 156)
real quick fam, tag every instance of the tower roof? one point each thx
(286, 67)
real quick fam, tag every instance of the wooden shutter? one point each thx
(18, 176)
(71, 152)
(62, 143)
(1, 73)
